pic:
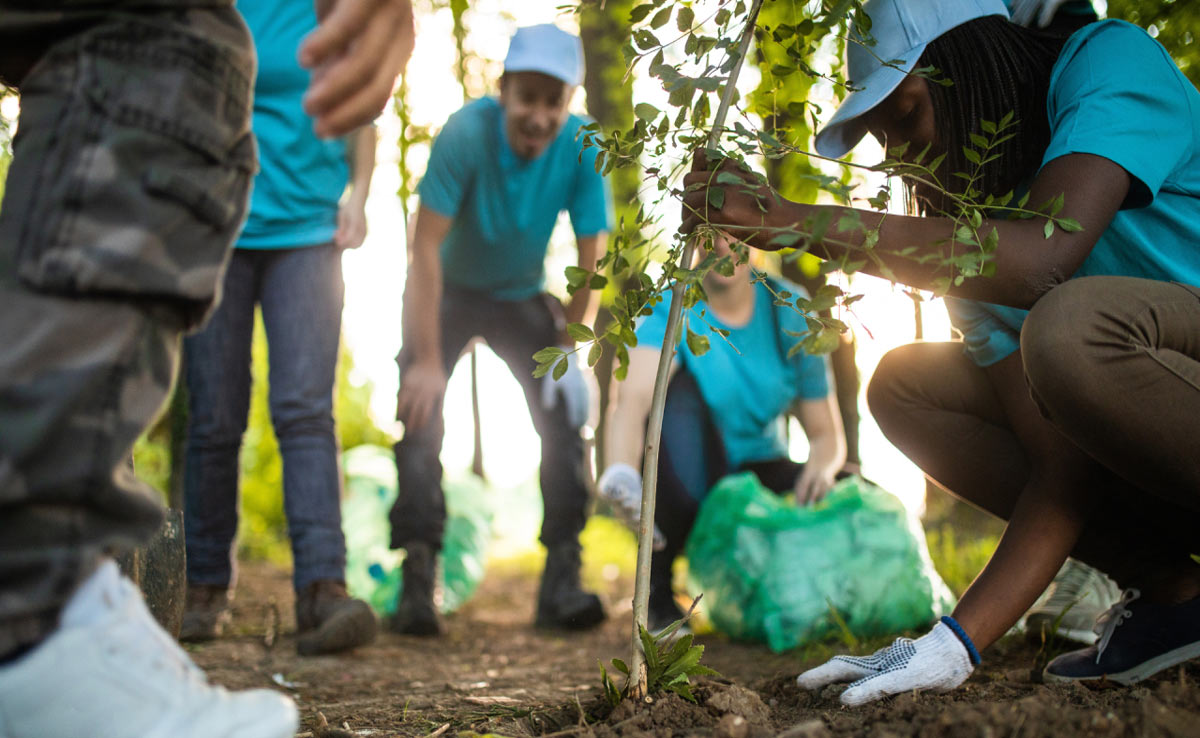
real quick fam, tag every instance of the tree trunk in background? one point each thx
(791, 176)
(603, 28)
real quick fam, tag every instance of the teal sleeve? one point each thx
(448, 175)
(990, 332)
(591, 202)
(812, 376)
(1116, 93)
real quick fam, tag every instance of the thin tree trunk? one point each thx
(637, 668)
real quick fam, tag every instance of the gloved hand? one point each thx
(571, 388)
(938, 661)
(1026, 12)
(621, 485)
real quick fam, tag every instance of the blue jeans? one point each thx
(301, 293)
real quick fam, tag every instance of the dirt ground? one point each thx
(494, 673)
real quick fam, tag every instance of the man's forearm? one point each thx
(361, 159)
(422, 323)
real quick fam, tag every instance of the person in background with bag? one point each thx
(500, 173)
(129, 180)
(307, 207)
(725, 412)
(1072, 406)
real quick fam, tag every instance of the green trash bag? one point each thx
(784, 575)
(373, 569)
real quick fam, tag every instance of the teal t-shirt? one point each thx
(503, 207)
(748, 393)
(301, 178)
(1116, 93)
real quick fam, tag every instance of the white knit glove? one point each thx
(937, 661)
(621, 485)
(1025, 12)
(571, 388)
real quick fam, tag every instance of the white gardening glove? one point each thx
(1026, 12)
(938, 661)
(621, 485)
(571, 388)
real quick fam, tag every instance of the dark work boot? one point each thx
(329, 620)
(205, 613)
(562, 602)
(417, 614)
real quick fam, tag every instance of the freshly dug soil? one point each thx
(494, 673)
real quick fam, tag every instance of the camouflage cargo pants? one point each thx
(131, 168)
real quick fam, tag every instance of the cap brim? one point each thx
(545, 69)
(846, 128)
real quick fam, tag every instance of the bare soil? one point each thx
(494, 673)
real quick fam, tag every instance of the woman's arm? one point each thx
(352, 214)
(822, 423)
(629, 407)
(1027, 263)
(1045, 523)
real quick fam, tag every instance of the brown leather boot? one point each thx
(206, 613)
(329, 620)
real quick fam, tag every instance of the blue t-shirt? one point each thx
(748, 393)
(1116, 93)
(301, 177)
(503, 207)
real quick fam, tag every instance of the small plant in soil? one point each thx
(671, 662)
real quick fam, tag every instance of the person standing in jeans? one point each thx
(288, 259)
(499, 174)
(129, 178)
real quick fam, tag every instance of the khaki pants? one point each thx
(131, 169)
(1114, 364)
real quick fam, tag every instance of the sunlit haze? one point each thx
(375, 275)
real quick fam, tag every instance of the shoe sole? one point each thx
(1142, 671)
(588, 617)
(422, 628)
(341, 632)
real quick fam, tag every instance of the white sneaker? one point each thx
(110, 671)
(1079, 594)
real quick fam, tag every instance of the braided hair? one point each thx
(997, 68)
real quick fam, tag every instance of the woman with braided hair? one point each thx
(1074, 421)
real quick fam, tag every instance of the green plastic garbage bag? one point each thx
(373, 569)
(783, 575)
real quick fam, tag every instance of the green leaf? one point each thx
(661, 17)
(972, 155)
(1049, 229)
(560, 368)
(621, 666)
(594, 354)
(638, 14)
(1070, 225)
(646, 111)
(550, 354)
(684, 19)
(580, 332)
(716, 197)
(576, 276)
(698, 344)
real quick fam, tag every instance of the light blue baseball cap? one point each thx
(548, 49)
(901, 30)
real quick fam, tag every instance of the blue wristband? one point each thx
(953, 625)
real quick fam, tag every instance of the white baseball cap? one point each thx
(548, 49)
(901, 30)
